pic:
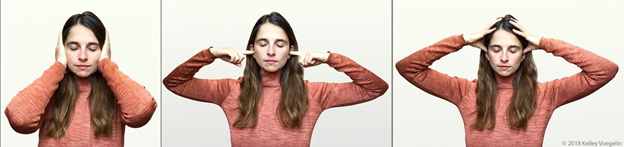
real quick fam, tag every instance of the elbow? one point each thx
(400, 66)
(141, 116)
(384, 88)
(20, 125)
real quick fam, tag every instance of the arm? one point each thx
(136, 103)
(181, 81)
(365, 86)
(26, 109)
(596, 72)
(415, 69)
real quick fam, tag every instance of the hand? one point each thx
(310, 58)
(106, 51)
(60, 50)
(476, 39)
(231, 55)
(533, 39)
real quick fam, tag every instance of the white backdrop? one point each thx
(29, 34)
(361, 31)
(421, 119)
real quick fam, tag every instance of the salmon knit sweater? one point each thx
(31, 108)
(597, 72)
(269, 130)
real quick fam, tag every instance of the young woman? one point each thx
(82, 99)
(271, 104)
(506, 106)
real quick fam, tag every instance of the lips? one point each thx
(83, 67)
(270, 62)
(504, 67)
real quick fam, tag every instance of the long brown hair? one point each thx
(294, 101)
(102, 101)
(524, 99)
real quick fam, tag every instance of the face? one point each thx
(82, 50)
(271, 48)
(504, 53)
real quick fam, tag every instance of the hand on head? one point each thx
(106, 51)
(60, 50)
(476, 39)
(533, 39)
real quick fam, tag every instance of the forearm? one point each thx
(26, 109)
(136, 103)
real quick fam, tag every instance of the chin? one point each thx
(83, 74)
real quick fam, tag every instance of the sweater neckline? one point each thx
(84, 84)
(505, 82)
(270, 79)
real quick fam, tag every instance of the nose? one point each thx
(504, 57)
(271, 51)
(82, 56)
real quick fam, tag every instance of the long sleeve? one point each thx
(596, 72)
(415, 69)
(136, 103)
(26, 109)
(365, 86)
(181, 81)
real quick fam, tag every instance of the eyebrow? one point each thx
(88, 44)
(267, 40)
(496, 45)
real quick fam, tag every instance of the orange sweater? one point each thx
(269, 131)
(29, 109)
(597, 72)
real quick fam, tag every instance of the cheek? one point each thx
(516, 59)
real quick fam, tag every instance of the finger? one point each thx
(232, 56)
(520, 27)
(308, 58)
(518, 32)
(239, 65)
(490, 31)
(248, 52)
(296, 53)
(526, 50)
(60, 39)
(239, 56)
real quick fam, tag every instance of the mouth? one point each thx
(83, 67)
(270, 62)
(504, 67)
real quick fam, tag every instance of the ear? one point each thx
(292, 48)
(523, 55)
(487, 56)
(251, 47)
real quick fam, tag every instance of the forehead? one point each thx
(504, 38)
(81, 34)
(271, 32)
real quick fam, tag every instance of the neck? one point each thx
(84, 83)
(270, 79)
(505, 82)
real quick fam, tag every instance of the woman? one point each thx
(82, 99)
(271, 104)
(506, 106)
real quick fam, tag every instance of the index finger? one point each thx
(248, 52)
(517, 25)
(296, 53)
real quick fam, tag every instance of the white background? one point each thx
(29, 34)
(360, 31)
(421, 119)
